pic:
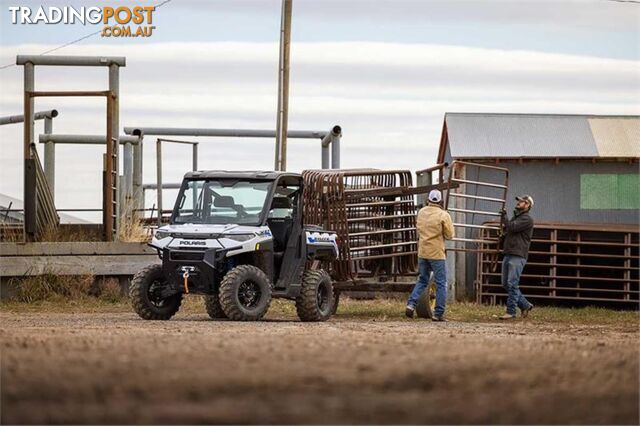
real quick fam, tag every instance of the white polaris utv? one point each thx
(238, 238)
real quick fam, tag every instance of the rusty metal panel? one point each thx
(572, 264)
(374, 215)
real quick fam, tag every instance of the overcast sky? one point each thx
(386, 71)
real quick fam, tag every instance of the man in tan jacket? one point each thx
(434, 226)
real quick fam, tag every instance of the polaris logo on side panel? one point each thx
(193, 243)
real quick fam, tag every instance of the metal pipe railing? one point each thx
(476, 197)
(480, 212)
(40, 115)
(84, 139)
(473, 182)
(229, 133)
(75, 61)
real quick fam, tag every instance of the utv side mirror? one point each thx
(224, 201)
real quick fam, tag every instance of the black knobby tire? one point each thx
(245, 293)
(426, 302)
(316, 299)
(143, 286)
(213, 307)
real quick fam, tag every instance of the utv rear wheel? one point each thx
(146, 295)
(316, 300)
(245, 293)
(213, 307)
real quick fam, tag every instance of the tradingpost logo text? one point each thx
(119, 21)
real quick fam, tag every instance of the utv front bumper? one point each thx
(203, 264)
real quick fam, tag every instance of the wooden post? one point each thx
(283, 87)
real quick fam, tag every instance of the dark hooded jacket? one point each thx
(518, 233)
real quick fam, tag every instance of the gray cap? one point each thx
(527, 198)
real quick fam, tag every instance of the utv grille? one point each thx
(187, 255)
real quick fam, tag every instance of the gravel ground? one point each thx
(117, 368)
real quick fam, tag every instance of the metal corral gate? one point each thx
(474, 193)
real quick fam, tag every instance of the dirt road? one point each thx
(116, 368)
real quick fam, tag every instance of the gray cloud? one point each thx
(389, 98)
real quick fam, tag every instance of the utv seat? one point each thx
(280, 226)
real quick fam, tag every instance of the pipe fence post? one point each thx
(159, 180)
(50, 157)
(138, 192)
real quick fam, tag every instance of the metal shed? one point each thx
(583, 173)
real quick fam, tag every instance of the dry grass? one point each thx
(110, 291)
(131, 228)
(51, 287)
(70, 233)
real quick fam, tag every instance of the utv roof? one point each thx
(227, 174)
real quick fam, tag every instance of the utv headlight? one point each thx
(162, 234)
(239, 237)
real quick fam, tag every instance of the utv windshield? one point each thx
(221, 202)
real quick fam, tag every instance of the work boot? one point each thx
(439, 318)
(507, 317)
(525, 312)
(409, 311)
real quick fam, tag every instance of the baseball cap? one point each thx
(527, 198)
(435, 196)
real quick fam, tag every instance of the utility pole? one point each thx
(283, 87)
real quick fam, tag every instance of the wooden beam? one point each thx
(109, 265)
(75, 249)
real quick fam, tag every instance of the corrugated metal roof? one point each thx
(540, 135)
(616, 137)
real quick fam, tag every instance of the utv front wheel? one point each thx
(245, 293)
(316, 299)
(213, 307)
(146, 295)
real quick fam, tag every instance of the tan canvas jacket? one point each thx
(434, 226)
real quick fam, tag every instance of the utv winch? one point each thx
(238, 238)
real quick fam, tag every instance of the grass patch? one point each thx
(392, 309)
(111, 299)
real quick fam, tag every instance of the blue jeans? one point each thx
(512, 267)
(425, 267)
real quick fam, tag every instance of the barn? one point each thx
(583, 173)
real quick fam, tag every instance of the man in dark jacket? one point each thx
(517, 238)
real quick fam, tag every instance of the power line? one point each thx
(74, 41)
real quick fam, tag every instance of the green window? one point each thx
(599, 192)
